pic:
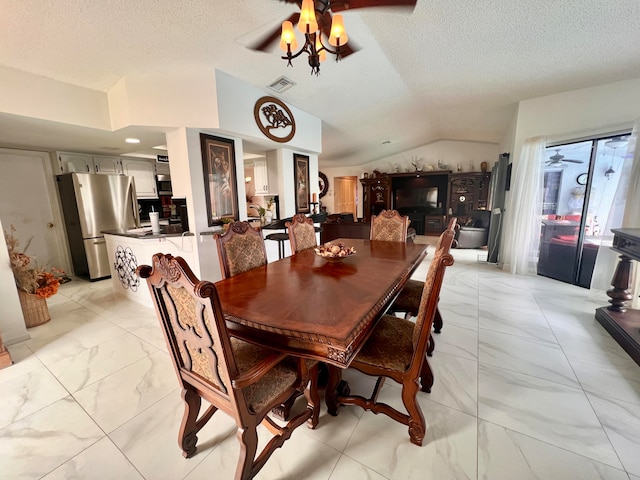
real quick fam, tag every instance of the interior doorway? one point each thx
(580, 181)
(345, 199)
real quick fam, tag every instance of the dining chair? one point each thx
(242, 379)
(302, 233)
(240, 248)
(396, 349)
(390, 226)
(408, 300)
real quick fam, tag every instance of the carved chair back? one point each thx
(389, 226)
(302, 233)
(240, 248)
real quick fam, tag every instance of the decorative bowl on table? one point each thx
(334, 252)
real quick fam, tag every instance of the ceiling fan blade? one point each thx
(572, 161)
(267, 41)
(341, 5)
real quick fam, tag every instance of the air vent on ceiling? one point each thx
(281, 84)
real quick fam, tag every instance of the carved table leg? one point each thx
(621, 281)
(331, 391)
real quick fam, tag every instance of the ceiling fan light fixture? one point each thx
(288, 40)
(338, 35)
(308, 23)
(609, 173)
(616, 142)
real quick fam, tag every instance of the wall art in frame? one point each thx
(301, 178)
(219, 166)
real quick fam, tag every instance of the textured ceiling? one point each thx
(449, 69)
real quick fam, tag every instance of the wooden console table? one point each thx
(621, 322)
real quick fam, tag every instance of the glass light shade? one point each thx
(338, 33)
(288, 37)
(308, 22)
(322, 54)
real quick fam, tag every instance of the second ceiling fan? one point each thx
(558, 160)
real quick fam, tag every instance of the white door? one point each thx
(27, 192)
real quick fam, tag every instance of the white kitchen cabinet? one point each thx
(107, 165)
(261, 176)
(74, 162)
(84, 163)
(144, 173)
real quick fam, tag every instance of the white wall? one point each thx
(236, 100)
(173, 99)
(12, 324)
(39, 97)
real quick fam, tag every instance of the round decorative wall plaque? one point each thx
(274, 119)
(323, 182)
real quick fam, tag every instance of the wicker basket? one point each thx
(34, 309)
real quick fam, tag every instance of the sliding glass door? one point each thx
(580, 181)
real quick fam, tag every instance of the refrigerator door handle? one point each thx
(97, 242)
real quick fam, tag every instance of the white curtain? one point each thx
(522, 237)
(625, 206)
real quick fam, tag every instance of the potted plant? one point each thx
(35, 284)
(226, 221)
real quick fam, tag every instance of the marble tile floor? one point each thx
(527, 386)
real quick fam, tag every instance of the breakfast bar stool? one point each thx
(281, 238)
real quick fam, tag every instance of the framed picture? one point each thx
(301, 179)
(219, 166)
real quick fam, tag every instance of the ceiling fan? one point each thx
(558, 160)
(323, 10)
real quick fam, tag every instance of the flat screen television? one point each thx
(416, 198)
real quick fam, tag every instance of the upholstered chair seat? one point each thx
(390, 345)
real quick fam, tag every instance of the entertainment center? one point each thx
(428, 198)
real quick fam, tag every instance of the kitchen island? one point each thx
(127, 249)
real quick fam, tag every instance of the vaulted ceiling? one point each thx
(448, 69)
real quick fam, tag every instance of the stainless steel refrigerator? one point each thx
(92, 203)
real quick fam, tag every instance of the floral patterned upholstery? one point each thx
(390, 345)
(302, 233)
(242, 379)
(240, 249)
(389, 226)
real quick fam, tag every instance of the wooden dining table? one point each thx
(306, 306)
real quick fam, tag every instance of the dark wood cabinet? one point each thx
(434, 224)
(376, 196)
(468, 191)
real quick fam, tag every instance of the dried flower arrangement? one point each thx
(31, 278)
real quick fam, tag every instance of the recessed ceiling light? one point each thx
(132, 140)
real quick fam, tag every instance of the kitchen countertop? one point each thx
(145, 233)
